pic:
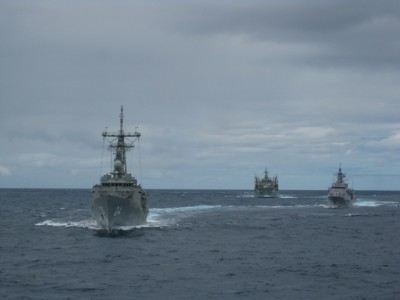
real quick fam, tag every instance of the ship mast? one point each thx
(118, 143)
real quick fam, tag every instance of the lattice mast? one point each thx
(121, 142)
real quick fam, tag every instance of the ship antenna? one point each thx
(121, 140)
(102, 153)
(121, 120)
(140, 161)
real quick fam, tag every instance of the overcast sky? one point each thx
(219, 90)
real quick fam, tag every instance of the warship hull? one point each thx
(339, 202)
(112, 212)
(340, 198)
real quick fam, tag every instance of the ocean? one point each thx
(201, 244)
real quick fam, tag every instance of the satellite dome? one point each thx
(118, 165)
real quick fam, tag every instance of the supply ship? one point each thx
(266, 187)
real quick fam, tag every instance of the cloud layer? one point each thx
(220, 90)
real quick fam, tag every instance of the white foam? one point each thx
(369, 203)
(246, 196)
(158, 217)
(290, 206)
(287, 197)
(193, 208)
(170, 215)
(374, 203)
(91, 224)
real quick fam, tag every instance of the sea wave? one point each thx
(287, 197)
(361, 202)
(91, 224)
(191, 208)
(158, 217)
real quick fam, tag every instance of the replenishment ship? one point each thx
(266, 187)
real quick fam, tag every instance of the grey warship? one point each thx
(339, 194)
(119, 200)
(266, 187)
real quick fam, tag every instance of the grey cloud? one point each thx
(219, 89)
(342, 33)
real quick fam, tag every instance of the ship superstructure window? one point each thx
(126, 184)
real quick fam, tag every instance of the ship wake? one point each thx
(362, 202)
(157, 218)
(90, 224)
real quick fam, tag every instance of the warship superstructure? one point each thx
(339, 194)
(119, 200)
(267, 186)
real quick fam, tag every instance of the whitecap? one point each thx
(192, 208)
(374, 203)
(287, 197)
(91, 224)
(158, 217)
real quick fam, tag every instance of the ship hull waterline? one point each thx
(339, 202)
(113, 212)
(266, 194)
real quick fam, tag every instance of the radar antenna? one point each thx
(120, 142)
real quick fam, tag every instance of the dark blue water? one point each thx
(201, 245)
